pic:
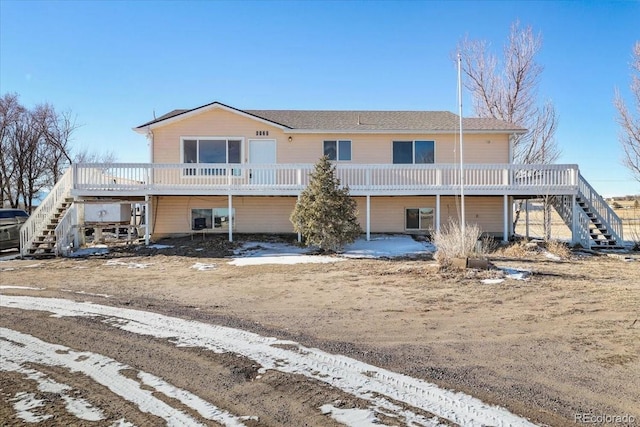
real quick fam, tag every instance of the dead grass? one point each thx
(558, 248)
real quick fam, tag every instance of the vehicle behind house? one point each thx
(10, 222)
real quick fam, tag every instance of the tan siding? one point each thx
(377, 149)
(308, 148)
(172, 214)
(166, 139)
(484, 211)
(264, 214)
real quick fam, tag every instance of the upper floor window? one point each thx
(210, 150)
(339, 150)
(408, 152)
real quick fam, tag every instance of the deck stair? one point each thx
(44, 243)
(598, 226)
(38, 234)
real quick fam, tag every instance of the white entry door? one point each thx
(262, 154)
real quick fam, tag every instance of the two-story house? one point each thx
(219, 169)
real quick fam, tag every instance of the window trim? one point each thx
(199, 138)
(338, 141)
(213, 227)
(189, 171)
(420, 228)
(413, 151)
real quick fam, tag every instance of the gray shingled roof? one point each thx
(365, 120)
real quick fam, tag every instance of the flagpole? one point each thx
(462, 220)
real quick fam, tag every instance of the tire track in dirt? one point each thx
(387, 392)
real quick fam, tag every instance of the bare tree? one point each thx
(508, 90)
(83, 155)
(35, 150)
(59, 129)
(11, 113)
(630, 122)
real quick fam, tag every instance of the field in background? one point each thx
(559, 231)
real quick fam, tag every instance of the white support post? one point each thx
(574, 220)
(505, 215)
(76, 226)
(510, 201)
(437, 212)
(147, 220)
(368, 217)
(526, 217)
(230, 218)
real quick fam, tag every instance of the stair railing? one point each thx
(66, 231)
(39, 219)
(583, 232)
(564, 206)
(601, 209)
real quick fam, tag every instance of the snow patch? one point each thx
(492, 281)
(21, 287)
(383, 246)
(379, 246)
(285, 259)
(203, 267)
(353, 417)
(115, 262)
(24, 405)
(512, 273)
(85, 293)
(551, 256)
(87, 252)
(157, 246)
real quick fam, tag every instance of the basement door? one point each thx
(262, 152)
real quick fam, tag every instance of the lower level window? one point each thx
(419, 218)
(216, 218)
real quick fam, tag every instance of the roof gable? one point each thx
(365, 121)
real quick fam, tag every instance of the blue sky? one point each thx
(113, 64)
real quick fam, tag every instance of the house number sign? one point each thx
(262, 133)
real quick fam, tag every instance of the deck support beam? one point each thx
(505, 215)
(574, 220)
(437, 213)
(147, 220)
(368, 217)
(526, 218)
(231, 219)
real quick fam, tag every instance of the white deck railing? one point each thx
(361, 178)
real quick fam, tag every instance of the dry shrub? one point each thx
(520, 249)
(450, 242)
(558, 248)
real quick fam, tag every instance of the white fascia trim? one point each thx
(397, 131)
(144, 130)
(204, 109)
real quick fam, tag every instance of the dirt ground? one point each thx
(564, 342)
